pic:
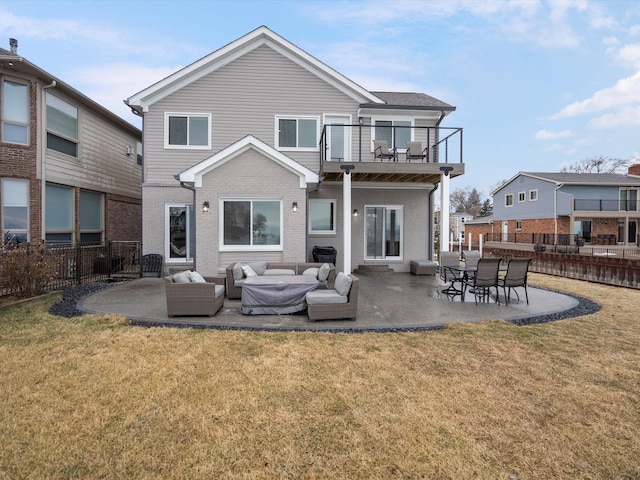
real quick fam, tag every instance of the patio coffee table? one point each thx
(276, 294)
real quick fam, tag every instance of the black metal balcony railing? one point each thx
(440, 144)
(599, 205)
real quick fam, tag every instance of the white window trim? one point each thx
(506, 204)
(248, 248)
(518, 222)
(335, 215)
(62, 135)
(276, 137)
(533, 195)
(2, 205)
(392, 119)
(523, 196)
(168, 146)
(400, 208)
(11, 122)
(167, 225)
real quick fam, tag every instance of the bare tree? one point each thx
(467, 200)
(599, 164)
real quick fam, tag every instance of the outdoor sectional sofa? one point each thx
(334, 303)
(193, 297)
(236, 276)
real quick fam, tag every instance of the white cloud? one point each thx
(624, 118)
(630, 55)
(549, 135)
(624, 92)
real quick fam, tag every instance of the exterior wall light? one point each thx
(355, 212)
(205, 207)
(294, 207)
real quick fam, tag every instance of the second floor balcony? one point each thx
(409, 154)
(601, 205)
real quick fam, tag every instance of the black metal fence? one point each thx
(84, 263)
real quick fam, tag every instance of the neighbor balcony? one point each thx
(439, 150)
(600, 205)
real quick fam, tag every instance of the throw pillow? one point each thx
(342, 284)
(238, 274)
(323, 272)
(195, 277)
(258, 267)
(313, 271)
(248, 271)
(182, 277)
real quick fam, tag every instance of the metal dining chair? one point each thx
(516, 276)
(486, 276)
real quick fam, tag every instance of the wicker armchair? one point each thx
(194, 298)
(334, 311)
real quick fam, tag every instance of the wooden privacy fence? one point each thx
(608, 269)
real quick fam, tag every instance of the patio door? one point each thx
(632, 237)
(505, 231)
(338, 138)
(383, 232)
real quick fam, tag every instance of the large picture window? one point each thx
(59, 214)
(15, 210)
(322, 216)
(297, 133)
(91, 223)
(62, 126)
(15, 112)
(187, 130)
(251, 224)
(180, 224)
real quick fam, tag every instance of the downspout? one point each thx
(43, 154)
(306, 235)
(188, 187)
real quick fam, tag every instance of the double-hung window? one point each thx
(62, 126)
(180, 232)
(396, 132)
(628, 199)
(15, 210)
(251, 224)
(59, 214)
(508, 200)
(297, 133)
(15, 112)
(187, 130)
(322, 217)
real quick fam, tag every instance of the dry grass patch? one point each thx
(92, 398)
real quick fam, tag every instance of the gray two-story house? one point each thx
(590, 208)
(259, 151)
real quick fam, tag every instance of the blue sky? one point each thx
(538, 85)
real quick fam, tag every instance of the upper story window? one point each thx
(322, 216)
(187, 130)
(533, 195)
(508, 200)
(522, 196)
(62, 126)
(251, 224)
(15, 112)
(297, 133)
(15, 210)
(139, 153)
(629, 199)
(396, 132)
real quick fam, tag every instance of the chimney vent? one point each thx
(13, 45)
(634, 169)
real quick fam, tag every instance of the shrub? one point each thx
(25, 270)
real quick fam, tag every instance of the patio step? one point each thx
(374, 270)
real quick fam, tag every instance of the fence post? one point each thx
(78, 264)
(109, 257)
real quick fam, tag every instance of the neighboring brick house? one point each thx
(70, 170)
(259, 151)
(590, 208)
(479, 227)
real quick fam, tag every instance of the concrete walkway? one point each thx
(399, 301)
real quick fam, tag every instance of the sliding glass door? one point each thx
(383, 232)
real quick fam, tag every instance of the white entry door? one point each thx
(505, 231)
(338, 138)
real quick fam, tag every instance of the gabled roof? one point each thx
(570, 178)
(414, 101)
(245, 44)
(193, 175)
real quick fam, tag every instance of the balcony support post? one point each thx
(444, 208)
(346, 217)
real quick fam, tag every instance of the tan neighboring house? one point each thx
(259, 151)
(70, 170)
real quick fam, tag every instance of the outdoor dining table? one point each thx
(276, 294)
(463, 278)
